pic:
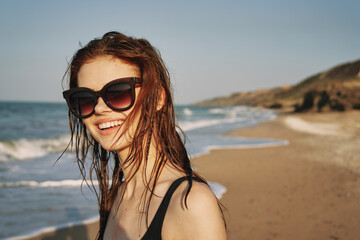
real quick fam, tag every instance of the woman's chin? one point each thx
(115, 147)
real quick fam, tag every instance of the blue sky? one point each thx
(212, 48)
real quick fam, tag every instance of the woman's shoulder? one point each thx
(200, 198)
(196, 215)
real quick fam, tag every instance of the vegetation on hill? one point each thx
(337, 89)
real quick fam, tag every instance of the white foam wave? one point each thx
(187, 112)
(23, 149)
(217, 189)
(208, 149)
(217, 110)
(45, 184)
(231, 115)
(191, 125)
(233, 111)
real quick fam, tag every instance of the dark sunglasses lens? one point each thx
(83, 103)
(120, 95)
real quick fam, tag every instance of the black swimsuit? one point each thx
(154, 230)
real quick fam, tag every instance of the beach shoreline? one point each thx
(307, 189)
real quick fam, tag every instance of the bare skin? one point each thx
(201, 220)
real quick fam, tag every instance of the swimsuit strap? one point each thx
(154, 230)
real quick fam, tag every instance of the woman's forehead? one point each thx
(96, 73)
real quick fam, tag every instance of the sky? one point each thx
(211, 48)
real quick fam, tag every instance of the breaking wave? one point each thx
(23, 149)
(45, 184)
(217, 188)
(231, 115)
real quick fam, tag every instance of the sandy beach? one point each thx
(308, 189)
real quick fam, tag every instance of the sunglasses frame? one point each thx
(133, 82)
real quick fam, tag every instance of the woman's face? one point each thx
(94, 75)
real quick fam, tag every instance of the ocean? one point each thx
(38, 193)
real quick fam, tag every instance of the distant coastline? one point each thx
(336, 89)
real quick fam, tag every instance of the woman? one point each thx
(122, 120)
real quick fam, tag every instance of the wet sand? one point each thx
(308, 189)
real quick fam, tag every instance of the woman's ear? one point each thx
(162, 100)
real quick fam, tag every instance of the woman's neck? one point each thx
(138, 177)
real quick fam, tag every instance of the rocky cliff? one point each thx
(337, 89)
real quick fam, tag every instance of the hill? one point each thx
(337, 89)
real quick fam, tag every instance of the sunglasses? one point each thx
(119, 95)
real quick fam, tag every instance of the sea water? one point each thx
(36, 192)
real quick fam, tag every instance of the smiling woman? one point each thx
(122, 115)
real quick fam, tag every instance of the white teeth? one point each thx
(109, 124)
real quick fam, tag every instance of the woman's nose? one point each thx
(101, 107)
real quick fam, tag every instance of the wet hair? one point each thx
(153, 123)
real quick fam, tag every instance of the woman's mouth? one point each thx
(106, 125)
